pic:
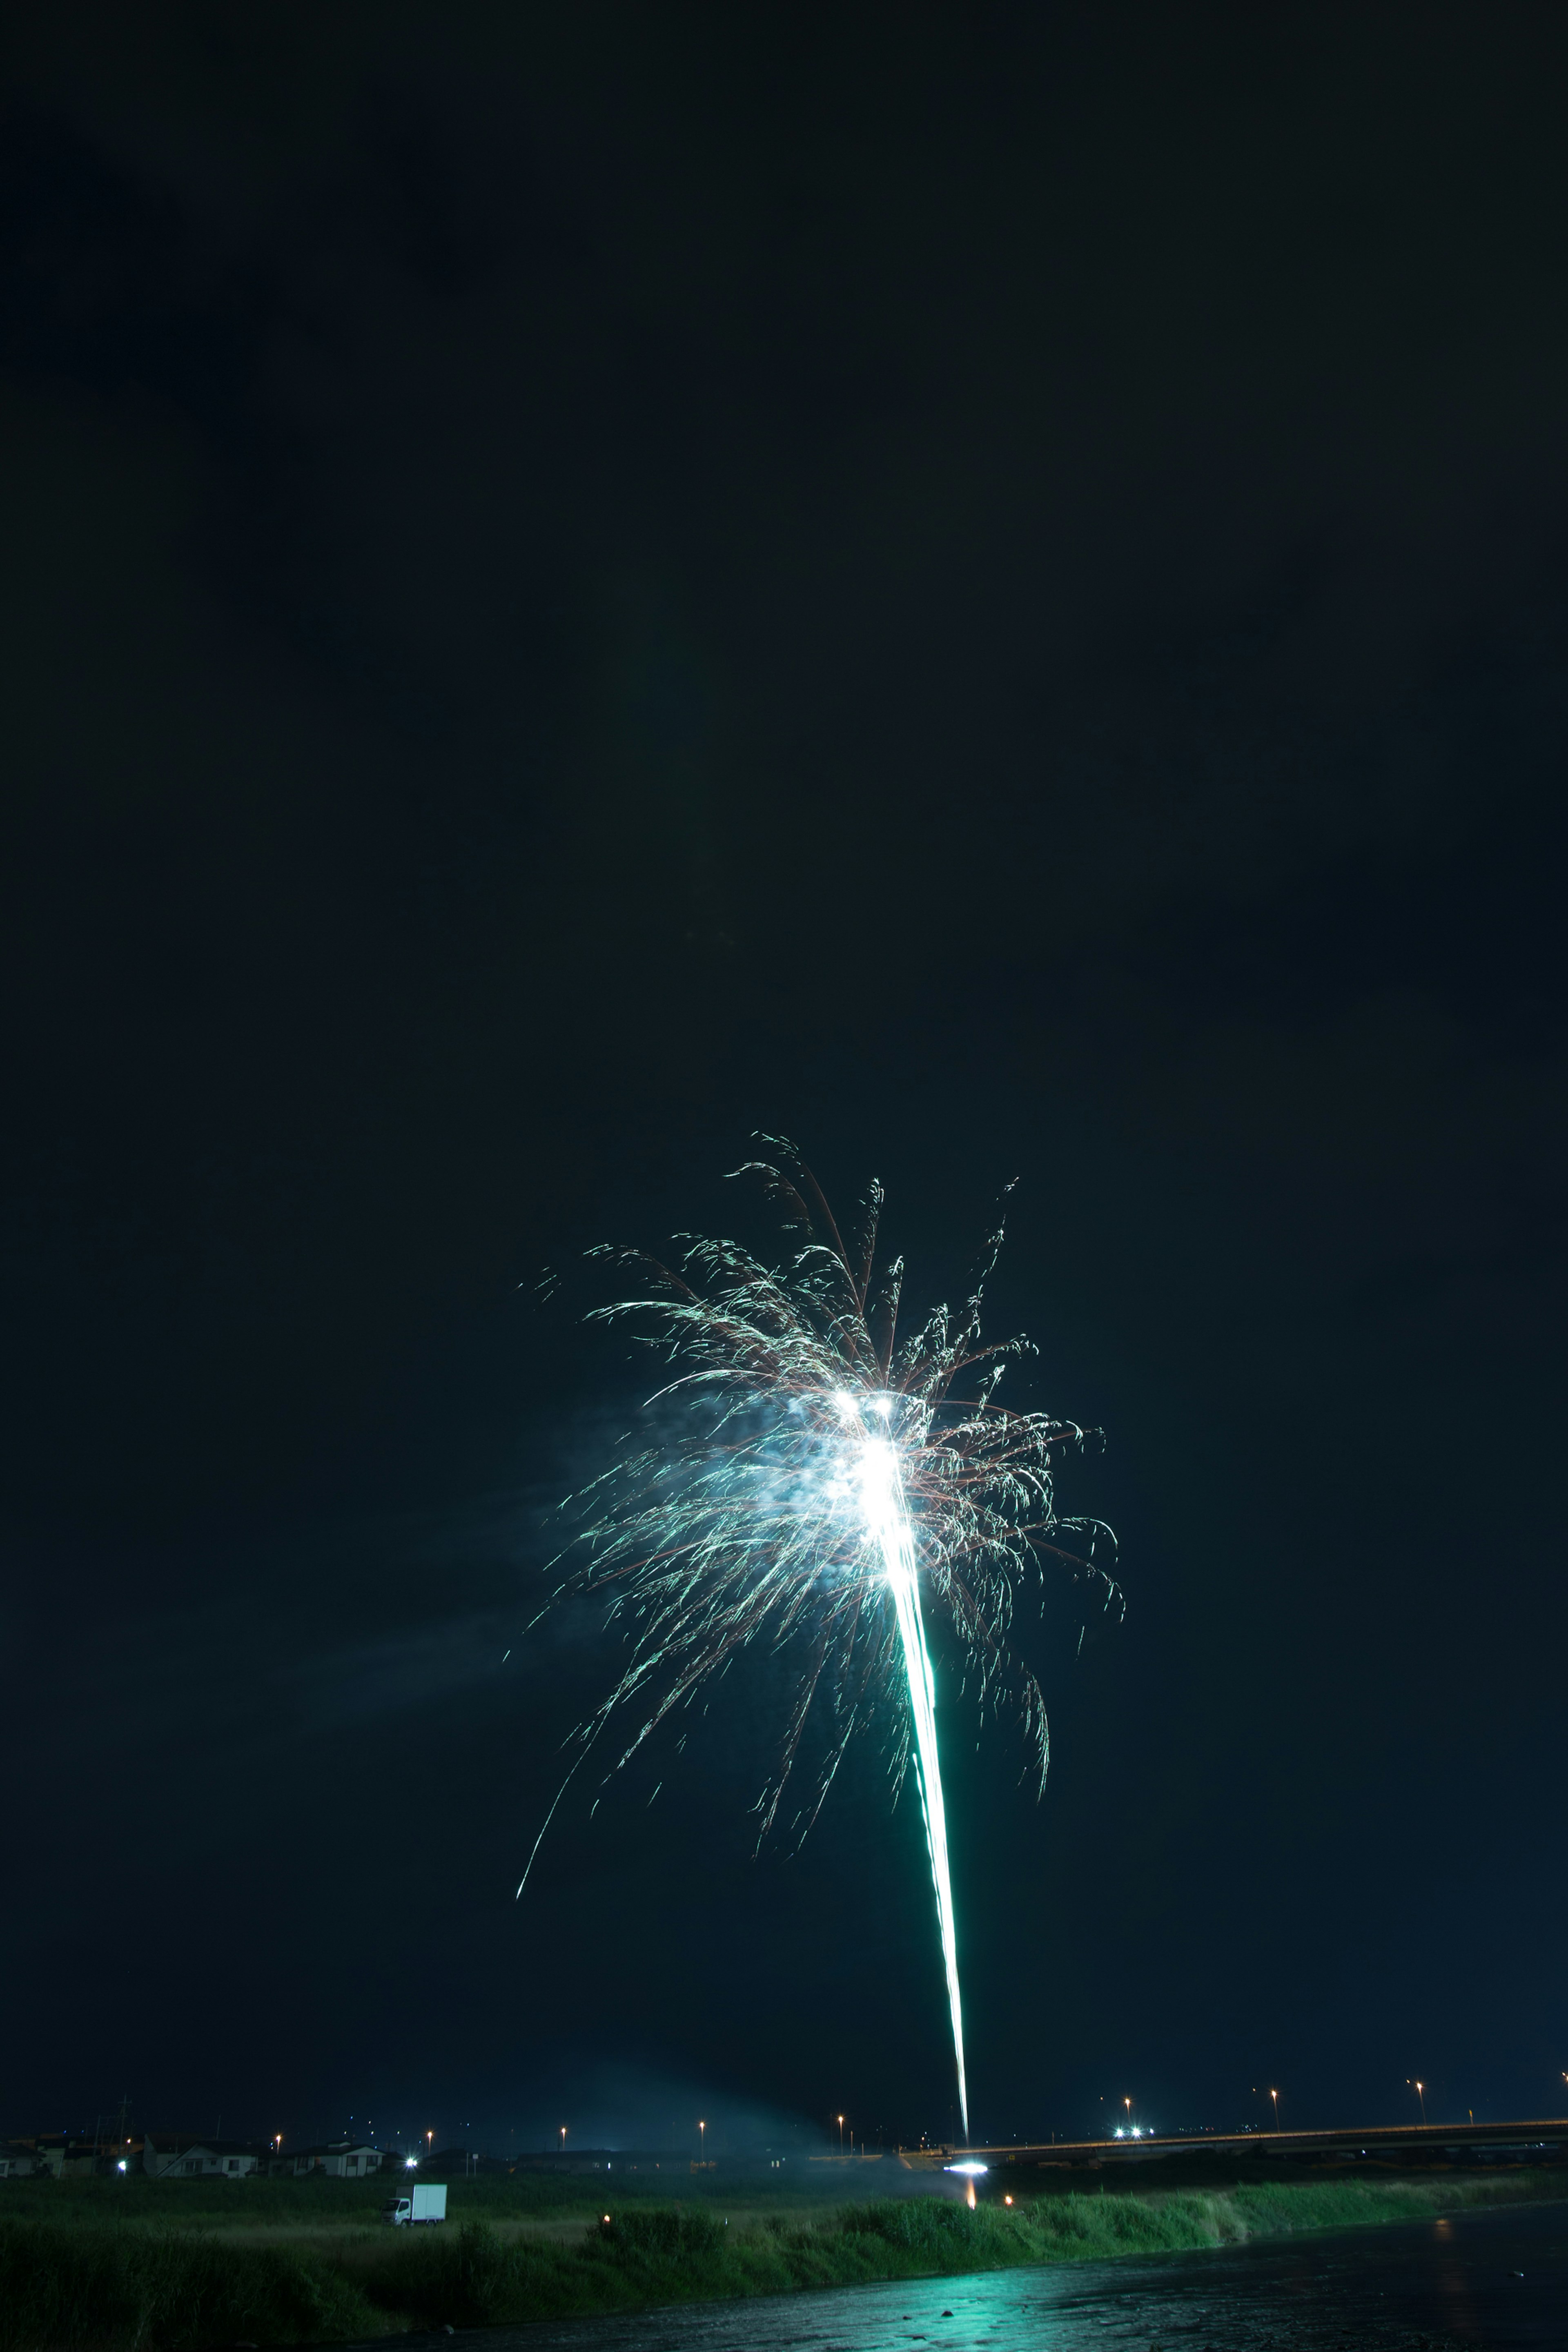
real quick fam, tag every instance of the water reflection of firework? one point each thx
(824, 1475)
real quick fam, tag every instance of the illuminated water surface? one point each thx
(1456, 2280)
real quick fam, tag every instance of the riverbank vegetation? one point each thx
(158, 2286)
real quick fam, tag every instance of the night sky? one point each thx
(991, 596)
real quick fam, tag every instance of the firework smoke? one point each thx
(821, 1474)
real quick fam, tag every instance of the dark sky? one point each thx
(990, 595)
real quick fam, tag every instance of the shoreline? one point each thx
(128, 2286)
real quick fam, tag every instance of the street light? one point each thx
(1421, 2095)
(563, 2140)
(701, 2138)
(840, 2135)
(1275, 2097)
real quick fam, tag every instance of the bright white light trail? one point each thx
(882, 1493)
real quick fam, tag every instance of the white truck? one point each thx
(426, 2201)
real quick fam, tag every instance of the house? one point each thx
(339, 2160)
(174, 2155)
(64, 2156)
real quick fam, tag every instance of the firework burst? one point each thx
(825, 1482)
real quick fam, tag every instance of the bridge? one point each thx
(1534, 2142)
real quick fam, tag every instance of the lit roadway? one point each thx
(1428, 2142)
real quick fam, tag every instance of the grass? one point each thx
(63, 2287)
(314, 2204)
(145, 2286)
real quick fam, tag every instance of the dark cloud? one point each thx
(992, 596)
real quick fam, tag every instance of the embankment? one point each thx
(134, 2289)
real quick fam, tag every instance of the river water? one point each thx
(1497, 2279)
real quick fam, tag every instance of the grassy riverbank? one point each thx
(136, 2288)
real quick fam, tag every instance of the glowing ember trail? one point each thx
(807, 1473)
(883, 1491)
